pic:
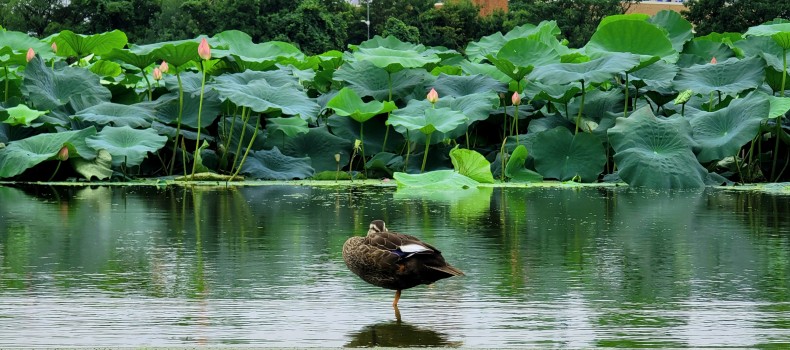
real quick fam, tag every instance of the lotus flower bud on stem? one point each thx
(337, 157)
(713, 60)
(204, 51)
(164, 67)
(157, 74)
(30, 54)
(516, 99)
(433, 96)
(54, 47)
(357, 143)
(63, 154)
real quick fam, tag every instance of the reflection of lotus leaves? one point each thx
(398, 334)
(468, 203)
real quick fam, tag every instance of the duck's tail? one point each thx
(448, 270)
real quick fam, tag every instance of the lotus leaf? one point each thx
(656, 77)
(393, 60)
(262, 97)
(593, 72)
(656, 152)
(702, 51)
(552, 92)
(126, 145)
(178, 53)
(72, 44)
(24, 154)
(375, 130)
(235, 127)
(368, 80)
(471, 164)
(273, 165)
(766, 48)
(100, 167)
(22, 115)
(519, 56)
(104, 68)
(48, 89)
(634, 36)
(386, 162)
(275, 78)
(135, 55)
(389, 42)
(723, 132)
(166, 108)
(484, 69)
(288, 126)
(458, 86)
(135, 116)
(780, 32)
(318, 145)
(730, 77)
(432, 119)
(561, 155)
(240, 44)
(779, 106)
(439, 179)
(348, 103)
(679, 29)
(515, 169)
(16, 45)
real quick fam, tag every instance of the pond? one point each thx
(262, 266)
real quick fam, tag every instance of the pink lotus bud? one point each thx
(63, 154)
(157, 74)
(204, 51)
(164, 67)
(30, 54)
(433, 96)
(713, 60)
(516, 99)
(54, 47)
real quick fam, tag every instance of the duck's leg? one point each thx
(397, 297)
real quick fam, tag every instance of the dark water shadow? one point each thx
(399, 335)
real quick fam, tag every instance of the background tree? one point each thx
(400, 30)
(733, 15)
(453, 25)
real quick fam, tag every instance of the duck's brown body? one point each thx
(394, 260)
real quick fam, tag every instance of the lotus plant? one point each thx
(204, 51)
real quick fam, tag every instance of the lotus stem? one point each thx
(244, 119)
(249, 146)
(362, 148)
(408, 151)
(627, 90)
(147, 82)
(389, 98)
(581, 106)
(200, 126)
(54, 172)
(779, 119)
(425, 155)
(5, 69)
(229, 135)
(178, 121)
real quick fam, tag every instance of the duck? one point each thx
(394, 260)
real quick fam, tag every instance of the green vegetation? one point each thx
(643, 101)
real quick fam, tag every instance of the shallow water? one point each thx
(261, 266)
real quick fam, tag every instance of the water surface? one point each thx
(261, 266)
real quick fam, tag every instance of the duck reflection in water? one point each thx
(399, 334)
(395, 261)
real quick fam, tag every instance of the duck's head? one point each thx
(377, 226)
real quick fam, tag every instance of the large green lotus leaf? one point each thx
(318, 145)
(136, 56)
(546, 32)
(72, 44)
(471, 164)
(432, 119)
(656, 152)
(273, 165)
(374, 132)
(515, 169)
(475, 107)
(484, 69)
(386, 162)
(389, 42)
(348, 104)
(779, 32)
(592, 72)
(22, 115)
(703, 51)
(552, 92)
(100, 167)
(126, 145)
(730, 77)
(177, 53)
(439, 179)
(24, 154)
(368, 80)
(262, 97)
(166, 108)
(104, 68)
(463, 85)
(476, 51)
(779, 106)
(277, 78)
(657, 76)
(637, 37)
(393, 60)
(679, 29)
(723, 132)
(240, 44)
(20, 42)
(288, 126)
(519, 56)
(766, 48)
(561, 155)
(48, 89)
(135, 116)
